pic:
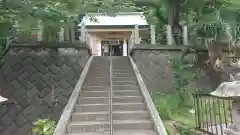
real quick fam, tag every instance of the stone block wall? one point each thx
(27, 77)
(154, 66)
(156, 69)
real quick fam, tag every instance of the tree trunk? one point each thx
(173, 21)
(214, 67)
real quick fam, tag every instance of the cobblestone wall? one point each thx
(27, 77)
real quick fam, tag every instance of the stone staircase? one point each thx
(91, 114)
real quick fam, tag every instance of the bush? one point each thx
(175, 106)
(44, 127)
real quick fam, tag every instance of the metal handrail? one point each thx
(110, 95)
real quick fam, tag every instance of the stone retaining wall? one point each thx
(27, 77)
(155, 67)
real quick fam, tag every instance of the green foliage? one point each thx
(183, 130)
(51, 12)
(44, 127)
(176, 105)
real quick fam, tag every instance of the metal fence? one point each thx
(213, 114)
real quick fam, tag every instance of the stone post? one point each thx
(66, 31)
(125, 50)
(40, 31)
(185, 35)
(136, 34)
(16, 26)
(61, 33)
(169, 35)
(153, 35)
(72, 30)
(83, 33)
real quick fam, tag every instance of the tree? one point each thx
(212, 24)
(28, 12)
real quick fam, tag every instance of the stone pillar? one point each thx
(40, 31)
(125, 49)
(83, 33)
(169, 35)
(136, 34)
(153, 35)
(185, 35)
(66, 32)
(99, 48)
(16, 26)
(72, 30)
(61, 33)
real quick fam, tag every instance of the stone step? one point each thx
(127, 93)
(105, 100)
(90, 116)
(96, 88)
(123, 75)
(127, 70)
(125, 83)
(100, 82)
(132, 124)
(131, 115)
(114, 88)
(93, 80)
(128, 106)
(106, 81)
(122, 70)
(127, 99)
(94, 93)
(91, 107)
(105, 107)
(119, 132)
(96, 84)
(93, 100)
(99, 77)
(104, 116)
(98, 126)
(125, 87)
(124, 79)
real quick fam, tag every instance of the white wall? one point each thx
(131, 42)
(95, 44)
(125, 49)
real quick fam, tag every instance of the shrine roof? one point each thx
(120, 19)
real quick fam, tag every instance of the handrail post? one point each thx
(110, 94)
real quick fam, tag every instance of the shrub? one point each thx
(44, 127)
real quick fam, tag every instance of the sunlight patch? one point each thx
(3, 99)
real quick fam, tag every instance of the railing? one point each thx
(213, 114)
(110, 95)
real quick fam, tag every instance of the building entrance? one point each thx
(112, 48)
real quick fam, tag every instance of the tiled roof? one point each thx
(131, 18)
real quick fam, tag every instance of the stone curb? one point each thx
(68, 110)
(158, 123)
